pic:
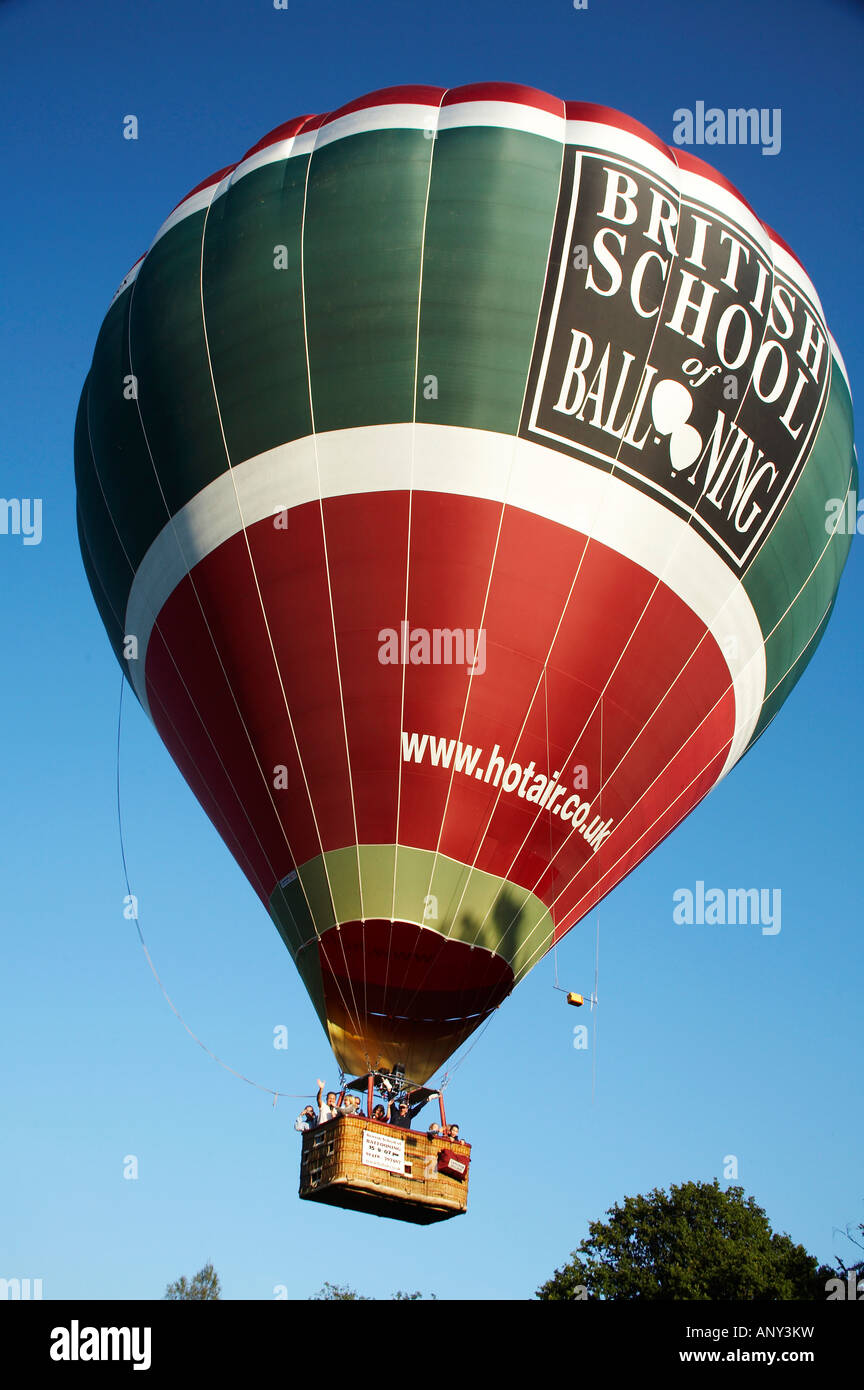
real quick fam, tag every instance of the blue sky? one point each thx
(712, 1041)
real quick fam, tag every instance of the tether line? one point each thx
(288, 1095)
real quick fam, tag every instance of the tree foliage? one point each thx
(340, 1293)
(858, 1266)
(344, 1294)
(204, 1285)
(698, 1241)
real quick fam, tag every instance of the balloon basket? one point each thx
(360, 1165)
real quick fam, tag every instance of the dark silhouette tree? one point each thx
(344, 1294)
(204, 1285)
(339, 1293)
(698, 1241)
(858, 1266)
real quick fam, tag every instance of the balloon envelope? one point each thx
(454, 482)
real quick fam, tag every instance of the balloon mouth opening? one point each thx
(400, 992)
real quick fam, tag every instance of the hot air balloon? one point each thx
(452, 481)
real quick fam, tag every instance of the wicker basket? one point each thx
(378, 1168)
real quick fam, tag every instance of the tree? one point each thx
(698, 1241)
(204, 1285)
(343, 1294)
(340, 1293)
(858, 1267)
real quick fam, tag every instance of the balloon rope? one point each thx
(451, 1071)
(288, 1095)
(595, 1000)
(238, 850)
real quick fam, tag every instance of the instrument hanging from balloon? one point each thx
(452, 483)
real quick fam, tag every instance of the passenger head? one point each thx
(378, 1112)
(454, 1131)
(403, 1108)
(331, 1097)
(434, 1130)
